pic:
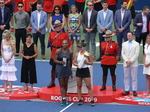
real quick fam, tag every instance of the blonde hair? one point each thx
(11, 41)
(71, 8)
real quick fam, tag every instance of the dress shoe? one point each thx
(43, 57)
(118, 59)
(134, 93)
(51, 85)
(17, 54)
(114, 88)
(99, 59)
(103, 88)
(125, 93)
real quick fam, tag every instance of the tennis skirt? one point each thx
(83, 72)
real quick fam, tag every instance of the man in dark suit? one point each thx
(4, 19)
(141, 24)
(89, 27)
(122, 22)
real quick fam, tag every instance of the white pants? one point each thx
(133, 72)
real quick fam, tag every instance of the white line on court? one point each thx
(66, 107)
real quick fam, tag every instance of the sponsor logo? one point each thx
(72, 99)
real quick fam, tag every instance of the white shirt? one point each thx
(144, 19)
(89, 17)
(122, 15)
(80, 59)
(104, 14)
(39, 16)
(2, 9)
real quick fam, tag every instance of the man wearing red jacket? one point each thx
(109, 60)
(56, 37)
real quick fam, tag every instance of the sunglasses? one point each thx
(90, 5)
(20, 6)
(56, 9)
(79, 46)
(1, 2)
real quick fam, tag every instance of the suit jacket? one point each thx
(138, 19)
(93, 24)
(6, 17)
(127, 18)
(131, 55)
(34, 21)
(107, 23)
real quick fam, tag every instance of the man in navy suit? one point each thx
(141, 24)
(4, 19)
(122, 22)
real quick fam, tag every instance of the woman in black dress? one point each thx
(28, 71)
(63, 60)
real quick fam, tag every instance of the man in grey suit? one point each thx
(130, 53)
(122, 22)
(38, 22)
(104, 22)
(89, 27)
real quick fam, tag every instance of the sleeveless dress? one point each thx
(28, 70)
(61, 70)
(73, 25)
(84, 71)
(54, 18)
(146, 70)
(8, 69)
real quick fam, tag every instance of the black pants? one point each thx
(20, 33)
(111, 67)
(101, 39)
(98, 6)
(80, 6)
(142, 37)
(133, 12)
(42, 41)
(65, 10)
(113, 8)
(1, 32)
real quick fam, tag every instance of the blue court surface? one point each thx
(43, 77)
